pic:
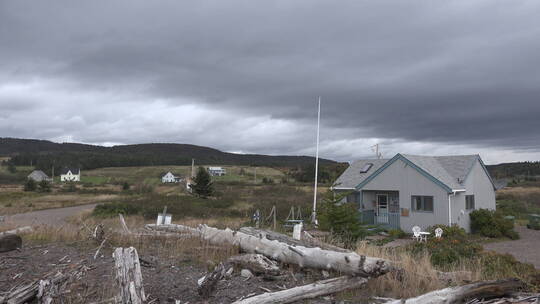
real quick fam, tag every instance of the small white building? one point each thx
(169, 177)
(38, 176)
(216, 171)
(70, 175)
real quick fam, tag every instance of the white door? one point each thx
(382, 208)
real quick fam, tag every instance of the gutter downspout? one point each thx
(450, 208)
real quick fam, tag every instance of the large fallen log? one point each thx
(309, 291)
(465, 293)
(128, 276)
(317, 258)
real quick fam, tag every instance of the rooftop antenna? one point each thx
(375, 149)
(314, 212)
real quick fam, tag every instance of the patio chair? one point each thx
(416, 233)
(438, 232)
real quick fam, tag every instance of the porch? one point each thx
(380, 208)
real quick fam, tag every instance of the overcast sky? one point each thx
(417, 77)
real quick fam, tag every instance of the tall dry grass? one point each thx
(417, 277)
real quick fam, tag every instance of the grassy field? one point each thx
(237, 192)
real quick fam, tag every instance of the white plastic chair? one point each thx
(438, 232)
(416, 233)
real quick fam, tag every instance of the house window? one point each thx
(469, 202)
(351, 198)
(422, 203)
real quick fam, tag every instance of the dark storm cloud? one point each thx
(461, 72)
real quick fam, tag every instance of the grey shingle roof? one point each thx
(38, 175)
(73, 170)
(352, 176)
(449, 170)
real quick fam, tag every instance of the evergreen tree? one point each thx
(11, 167)
(341, 219)
(202, 184)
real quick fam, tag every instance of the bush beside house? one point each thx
(492, 224)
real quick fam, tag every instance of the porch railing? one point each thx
(390, 220)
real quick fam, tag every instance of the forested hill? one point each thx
(514, 169)
(43, 154)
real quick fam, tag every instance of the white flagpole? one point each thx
(314, 213)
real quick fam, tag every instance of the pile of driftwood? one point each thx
(263, 249)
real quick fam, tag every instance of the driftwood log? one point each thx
(19, 230)
(128, 276)
(208, 283)
(465, 293)
(45, 290)
(309, 291)
(317, 258)
(256, 263)
(22, 294)
(50, 289)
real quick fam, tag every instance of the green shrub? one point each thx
(397, 233)
(492, 224)
(30, 185)
(452, 232)
(267, 180)
(44, 186)
(125, 186)
(450, 249)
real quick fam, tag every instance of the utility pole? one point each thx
(255, 176)
(192, 167)
(376, 149)
(314, 212)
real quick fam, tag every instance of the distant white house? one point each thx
(216, 171)
(169, 177)
(70, 175)
(38, 176)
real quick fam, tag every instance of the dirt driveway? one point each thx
(47, 216)
(526, 249)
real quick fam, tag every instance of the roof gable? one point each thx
(448, 172)
(74, 171)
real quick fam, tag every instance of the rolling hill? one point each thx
(43, 153)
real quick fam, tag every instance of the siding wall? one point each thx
(479, 185)
(401, 177)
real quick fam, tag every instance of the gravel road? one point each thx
(47, 216)
(526, 249)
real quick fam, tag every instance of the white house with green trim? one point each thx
(413, 190)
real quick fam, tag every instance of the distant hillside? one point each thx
(44, 154)
(507, 170)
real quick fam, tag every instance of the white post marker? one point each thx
(164, 218)
(297, 231)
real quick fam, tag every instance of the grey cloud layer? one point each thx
(461, 72)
